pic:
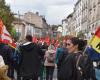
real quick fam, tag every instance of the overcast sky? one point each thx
(53, 10)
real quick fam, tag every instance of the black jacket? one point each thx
(67, 69)
(6, 53)
(30, 61)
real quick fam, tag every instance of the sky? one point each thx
(53, 10)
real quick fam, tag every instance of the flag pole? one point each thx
(85, 50)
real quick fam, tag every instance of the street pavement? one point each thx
(97, 74)
(55, 74)
(96, 70)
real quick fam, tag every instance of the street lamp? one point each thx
(18, 25)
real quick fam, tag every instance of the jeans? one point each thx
(49, 72)
(42, 71)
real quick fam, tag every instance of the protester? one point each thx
(63, 54)
(6, 53)
(49, 62)
(75, 48)
(43, 48)
(58, 52)
(30, 61)
(3, 70)
(60, 56)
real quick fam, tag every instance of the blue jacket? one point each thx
(58, 53)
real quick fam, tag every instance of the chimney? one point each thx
(37, 13)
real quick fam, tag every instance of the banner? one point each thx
(93, 54)
(5, 37)
(95, 41)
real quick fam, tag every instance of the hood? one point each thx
(27, 46)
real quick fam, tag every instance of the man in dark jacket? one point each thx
(43, 48)
(30, 61)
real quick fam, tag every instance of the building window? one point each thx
(98, 1)
(94, 9)
(96, 24)
(99, 11)
(90, 12)
(79, 24)
(93, 26)
(89, 27)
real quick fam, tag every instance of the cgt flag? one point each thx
(35, 39)
(47, 40)
(5, 37)
(1, 29)
(1, 26)
(95, 41)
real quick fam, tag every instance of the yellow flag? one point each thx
(95, 41)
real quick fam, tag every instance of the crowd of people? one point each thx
(33, 61)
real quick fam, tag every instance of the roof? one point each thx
(77, 2)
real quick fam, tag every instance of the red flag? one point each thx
(41, 40)
(98, 32)
(56, 44)
(1, 26)
(0, 39)
(5, 37)
(95, 41)
(13, 44)
(47, 40)
(53, 40)
(6, 41)
(35, 39)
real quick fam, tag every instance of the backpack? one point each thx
(84, 66)
(50, 57)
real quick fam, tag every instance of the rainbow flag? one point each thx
(95, 41)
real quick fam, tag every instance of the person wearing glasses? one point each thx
(68, 70)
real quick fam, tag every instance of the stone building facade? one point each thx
(94, 15)
(32, 24)
(86, 17)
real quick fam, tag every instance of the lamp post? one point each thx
(18, 25)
